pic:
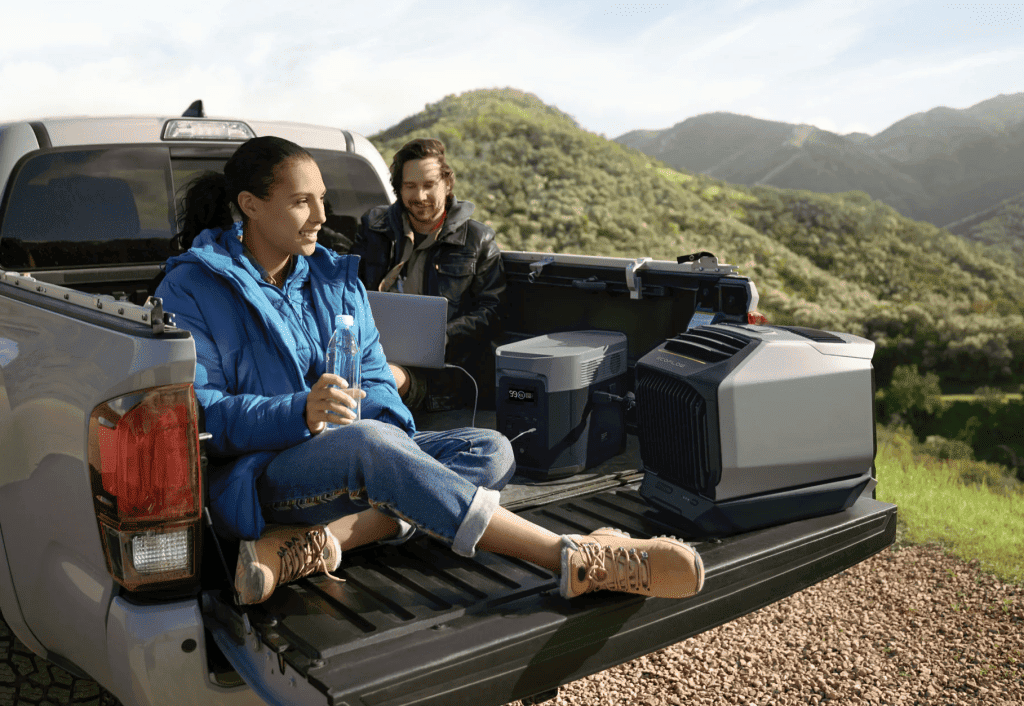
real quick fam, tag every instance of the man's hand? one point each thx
(330, 400)
(401, 378)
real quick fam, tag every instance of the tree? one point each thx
(991, 398)
(911, 397)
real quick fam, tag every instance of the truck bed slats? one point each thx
(418, 621)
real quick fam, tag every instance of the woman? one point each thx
(260, 297)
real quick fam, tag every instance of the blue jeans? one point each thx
(444, 483)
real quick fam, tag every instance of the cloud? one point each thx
(728, 56)
(69, 35)
(113, 86)
(366, 66)
(945, 66)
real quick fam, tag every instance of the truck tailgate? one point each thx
(417, 624)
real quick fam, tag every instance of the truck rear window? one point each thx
(69, 209)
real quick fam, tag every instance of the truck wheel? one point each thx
(26, 678)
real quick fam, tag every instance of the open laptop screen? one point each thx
(412, 327)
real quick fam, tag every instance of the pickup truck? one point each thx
(110, 567)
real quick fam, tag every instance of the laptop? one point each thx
(412, 327)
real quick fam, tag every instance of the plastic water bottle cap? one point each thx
(347, 319)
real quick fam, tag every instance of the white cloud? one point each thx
(16, 39)
(366, 66)
(944, 68)
(115, 86)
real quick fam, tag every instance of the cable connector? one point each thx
(522, 433)
(628, 401)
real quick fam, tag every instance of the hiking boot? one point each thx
(608, 559)
(281, 555)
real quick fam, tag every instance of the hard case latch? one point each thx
(536, 267)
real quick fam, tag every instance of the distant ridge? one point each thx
(940, 166)
(999, 228)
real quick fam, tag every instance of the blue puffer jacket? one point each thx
(257, 358)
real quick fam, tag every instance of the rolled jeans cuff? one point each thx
(481, 509)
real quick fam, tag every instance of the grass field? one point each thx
(972, 521)
(971, 397)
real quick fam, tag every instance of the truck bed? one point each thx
(417, 624)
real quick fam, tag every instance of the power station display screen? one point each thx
(520, 395)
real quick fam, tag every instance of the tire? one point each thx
(26, 678)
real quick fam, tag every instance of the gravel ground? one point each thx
(908, 626)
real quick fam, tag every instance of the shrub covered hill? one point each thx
(1000, 229)
(841, 262)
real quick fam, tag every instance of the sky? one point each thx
(850, 66)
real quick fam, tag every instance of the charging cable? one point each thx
(628, 401)
(476, 389)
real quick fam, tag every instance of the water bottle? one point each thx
(343, 357)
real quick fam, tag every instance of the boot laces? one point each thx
(304, 554)
(617, 568)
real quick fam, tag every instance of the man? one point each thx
(426, 243)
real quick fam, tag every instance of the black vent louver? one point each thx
(813, 334)
(707, 345)
(673, 428)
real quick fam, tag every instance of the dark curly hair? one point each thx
(421, 148)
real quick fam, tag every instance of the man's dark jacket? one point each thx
(464, 266)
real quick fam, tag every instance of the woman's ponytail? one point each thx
(206, 204)
(210, 196)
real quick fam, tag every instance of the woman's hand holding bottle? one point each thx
(331, 400)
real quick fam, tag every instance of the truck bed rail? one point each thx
(151, 313)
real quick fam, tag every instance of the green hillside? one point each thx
(1000, 229)
(834, 261)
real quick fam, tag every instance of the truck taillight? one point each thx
(144, 466)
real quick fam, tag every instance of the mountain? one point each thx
(745, 150)
(842, 262)
(1000, 229)
(940, 166)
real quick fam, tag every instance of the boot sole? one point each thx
(248, 576)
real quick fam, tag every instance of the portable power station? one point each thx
(545, 401)
(744, 426)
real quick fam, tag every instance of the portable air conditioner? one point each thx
(744, 426)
